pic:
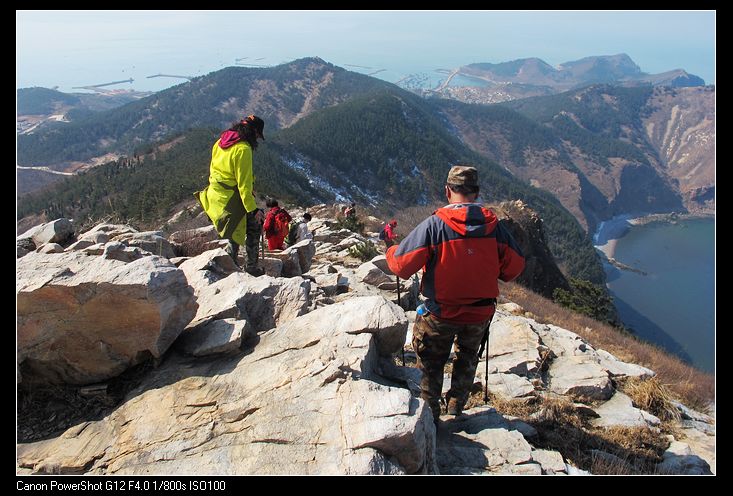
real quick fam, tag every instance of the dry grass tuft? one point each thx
(640, 449)
(652, 396)
(559, 411)
(522, 408)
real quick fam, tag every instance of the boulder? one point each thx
(273, 267)
(303, 400)
(111, 230)
(290, 261)
(579, 377)
(305, 249)
(218, 336)
(222, 291)
(56, 231)
(201, 234)
(88, 239)
(507, 386)
(564, 343)
(551, 461)
(151, 241)
(51, 248)
(513, 346)
(617, 368)
(119, 251)
(381, 262)
(369, 273)
(85, 319)
(680, 460)
(483, 441)
(619, 411)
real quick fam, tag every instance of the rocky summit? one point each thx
(307, 369)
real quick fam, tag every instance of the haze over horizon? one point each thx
(67, 49)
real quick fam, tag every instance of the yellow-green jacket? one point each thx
(228, 197)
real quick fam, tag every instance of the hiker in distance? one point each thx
(298, 231)
(350, 211)
(228, 196)
(463, 250)
(276, 225)
(388, 234)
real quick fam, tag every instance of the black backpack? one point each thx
(271, 224)
(293, 233)
(383, 233)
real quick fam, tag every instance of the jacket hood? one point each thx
(228, 138)
(468, 219)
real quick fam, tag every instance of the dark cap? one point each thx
(257, 123)
(463, 175)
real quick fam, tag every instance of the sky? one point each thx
(68, 49)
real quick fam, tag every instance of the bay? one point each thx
(671, 300)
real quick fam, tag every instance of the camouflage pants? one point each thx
(432, 341)
(232, 249)
(254, 231)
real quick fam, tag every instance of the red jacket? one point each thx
(388, 232)
(276, 228)
(463, 250)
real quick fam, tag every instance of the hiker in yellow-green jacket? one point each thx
(228, 197)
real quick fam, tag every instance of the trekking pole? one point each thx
(400, 304)
(262, 243)
(485, 345)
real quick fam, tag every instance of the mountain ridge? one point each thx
(528, 77)
(280, 94)
(619, 68)
(602, 150)
(387, 149)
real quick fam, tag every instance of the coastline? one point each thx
(610, 231)
(662, 284)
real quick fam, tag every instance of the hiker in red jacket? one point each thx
(389, 236)
(463, 250)
(276, 225)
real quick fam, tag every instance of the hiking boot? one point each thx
(454, 408)
(255, 271)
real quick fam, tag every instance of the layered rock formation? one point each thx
(290, 375)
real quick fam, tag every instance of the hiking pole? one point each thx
(484, 345)
(400, 304)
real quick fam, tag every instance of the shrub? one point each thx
(588, 299)
(351, 223)
(364, 251)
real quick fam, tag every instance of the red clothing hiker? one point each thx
(276, 225)
(388, 233)
(463, 250)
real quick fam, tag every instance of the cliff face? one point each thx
(541, 273)
(680, 124)
(603, 150)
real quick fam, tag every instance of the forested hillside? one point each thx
(281, 95)
(388, 150)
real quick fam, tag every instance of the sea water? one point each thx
(672, 303)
